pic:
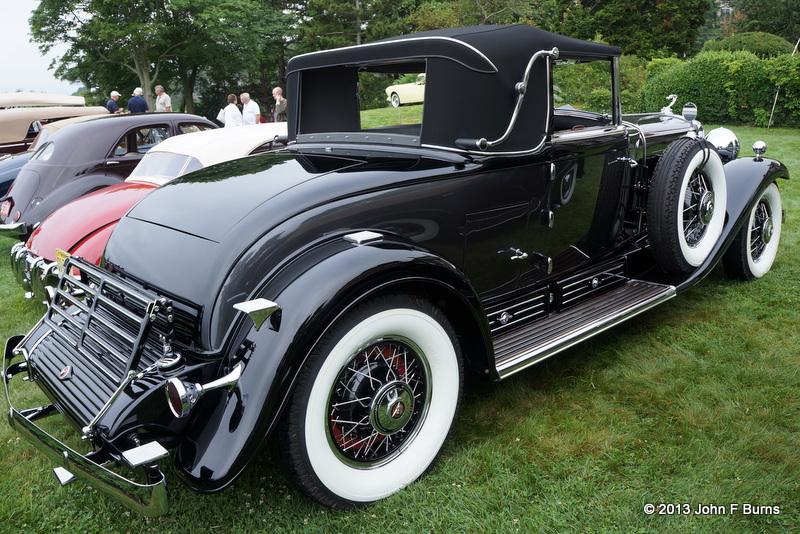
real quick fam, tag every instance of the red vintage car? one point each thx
(83, 226)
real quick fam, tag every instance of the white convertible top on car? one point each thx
(208, 147)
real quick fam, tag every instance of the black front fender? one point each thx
(746, 178)
(313, 290)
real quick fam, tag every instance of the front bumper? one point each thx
(147, 499)
(32, 272)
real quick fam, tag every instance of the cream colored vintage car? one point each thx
(23, 114)
(407, 93)
(20, 99)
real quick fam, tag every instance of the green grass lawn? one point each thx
(696, 402)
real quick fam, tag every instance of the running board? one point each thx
(526, 346)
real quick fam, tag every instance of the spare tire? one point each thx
(686, 205)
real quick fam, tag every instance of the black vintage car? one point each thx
(85, 157)
(332, 296)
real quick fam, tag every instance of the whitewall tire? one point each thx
(374, 403)
(755, 246)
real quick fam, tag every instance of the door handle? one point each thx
(517, 254)
(112, 162)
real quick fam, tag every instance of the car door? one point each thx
(132, 146)
(582, 207)
(497, 235)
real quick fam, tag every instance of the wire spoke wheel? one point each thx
(755, 246)
(374, 403)
(698, 209)
(377, 402)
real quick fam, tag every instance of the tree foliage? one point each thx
(649, 29)
(780, 17)
(216, 47)
(731, 87)
(154, 41)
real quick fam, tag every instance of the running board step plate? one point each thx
(531, 344)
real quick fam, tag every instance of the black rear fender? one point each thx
(313, 290)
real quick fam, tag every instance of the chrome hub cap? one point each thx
(767, 231)
(392, 407)
(707, 207)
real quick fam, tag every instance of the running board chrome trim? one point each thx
(526, 346)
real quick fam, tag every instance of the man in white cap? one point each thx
(112, 105)
(137, 104)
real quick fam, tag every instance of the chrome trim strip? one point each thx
(566, 136)
(528, 152)
(13, 229)
(363, 136)
(393, 42)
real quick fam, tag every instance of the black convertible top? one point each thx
(480, 48)
(471, 74)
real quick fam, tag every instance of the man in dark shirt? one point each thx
(112, 105)
(137, 104)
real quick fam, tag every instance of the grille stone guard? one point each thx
(88, 306)
(108, 321)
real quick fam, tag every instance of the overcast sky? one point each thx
(21, 64)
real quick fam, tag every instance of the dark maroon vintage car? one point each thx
(333, 295)
(85, 157)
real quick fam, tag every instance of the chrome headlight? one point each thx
(726, 143)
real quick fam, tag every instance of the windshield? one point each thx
(161, 167)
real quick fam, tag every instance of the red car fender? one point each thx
(83, 226)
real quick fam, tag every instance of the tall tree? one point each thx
(649, 28)
(105, 33)
(150, 38)
(781, 17)
(333, 23)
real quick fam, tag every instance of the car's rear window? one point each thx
(163, 166)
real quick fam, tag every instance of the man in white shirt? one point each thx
(163, 101)
(251, 114)
(232, 115)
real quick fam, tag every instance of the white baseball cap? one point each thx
(137, 91)
(114, 93)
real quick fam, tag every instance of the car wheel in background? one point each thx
(755, 246)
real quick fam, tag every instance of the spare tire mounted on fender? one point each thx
(686, 204)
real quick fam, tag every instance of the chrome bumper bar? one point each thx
(13, 230)
(146, 499)
(32, 272)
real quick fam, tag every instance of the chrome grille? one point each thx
(100, 327)
(115, 326)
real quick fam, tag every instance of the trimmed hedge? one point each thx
(730, 87)
(762, 44)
